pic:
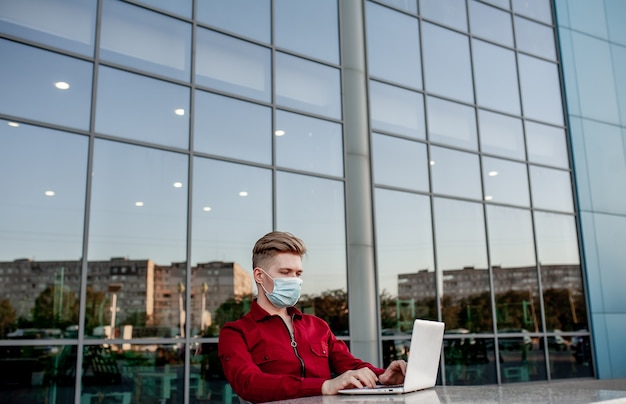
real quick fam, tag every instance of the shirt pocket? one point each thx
(267, 356)
(320, 349)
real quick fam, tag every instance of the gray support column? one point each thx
(362, 288)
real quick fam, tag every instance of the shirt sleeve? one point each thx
(342, 360)
(249, 382)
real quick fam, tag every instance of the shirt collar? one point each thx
(258, 313)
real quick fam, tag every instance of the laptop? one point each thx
(422, 363)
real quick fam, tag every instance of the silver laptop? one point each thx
(422, 362)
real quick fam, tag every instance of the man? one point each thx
(275, 352)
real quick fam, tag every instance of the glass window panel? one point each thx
(65, 24)
(603, 146)
(500, 134)
(447, 73)
(42, 229)
(512, 253)
(539, 10)
(141, 108)
(207, 378)
(181, 7)
(400, 163)
(155, 372)
(618, 59)
(397, 110)
(490, 23)
(449, 12)
(496, 78)
(469, 360)
(404, 254)
(551, 189)
(160, 44)
(27, 373)
(308, 86)
(220, 130)
(505, 182)
(137, 239)
(451, 123)
(535, 38)
(43, 214)
(229, 64)
(325, 238)
(250, 18)
(393, 54)
(462, 265)
(519, 362)
(455, 173)
(308, 144)
(232, 206)
(561, 277)
(546, 145)
(310, 28)
(541, 90)
(45, 86)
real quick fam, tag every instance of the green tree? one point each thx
(7, 317)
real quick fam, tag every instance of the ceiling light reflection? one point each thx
(488, 197)
(493, 173)
(62, 85)
(179, 112)
(49, 193)
(178, 185)
(13, 124)
(279, 132)
(206, 209)
(243, 193)
(139, 204)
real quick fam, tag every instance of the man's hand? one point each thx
(359, 378)
(394, 374)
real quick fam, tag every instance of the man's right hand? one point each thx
(359, 378)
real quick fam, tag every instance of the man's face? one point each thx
(282, 265)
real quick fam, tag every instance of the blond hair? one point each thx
(273, 243)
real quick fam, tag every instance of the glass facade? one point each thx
(146, 145)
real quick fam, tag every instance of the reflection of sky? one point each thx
(33, 225)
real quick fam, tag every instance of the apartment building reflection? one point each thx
(121, 292)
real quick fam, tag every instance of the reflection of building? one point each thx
(469, 281)
(146, 288)
(224, 280)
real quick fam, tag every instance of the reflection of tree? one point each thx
(515, 309)
(331, 306)
(564, 311)
(474, 313)
(7, 317)
(230, 310)
(93, 311)
(49, 312)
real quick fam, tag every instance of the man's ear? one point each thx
(256, 274)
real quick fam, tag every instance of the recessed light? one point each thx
(243, 193)
(206, 209)
(493, 173)
(488, 197)
(179, 112)
(178, 184)
(13, 124)
(139, 203)
(432, 162)
(62, 85)
(279, 132)
(49, 193)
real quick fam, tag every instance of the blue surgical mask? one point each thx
(286, 291)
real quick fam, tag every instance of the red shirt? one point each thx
(262, 362)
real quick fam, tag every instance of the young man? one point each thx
(275, 352)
